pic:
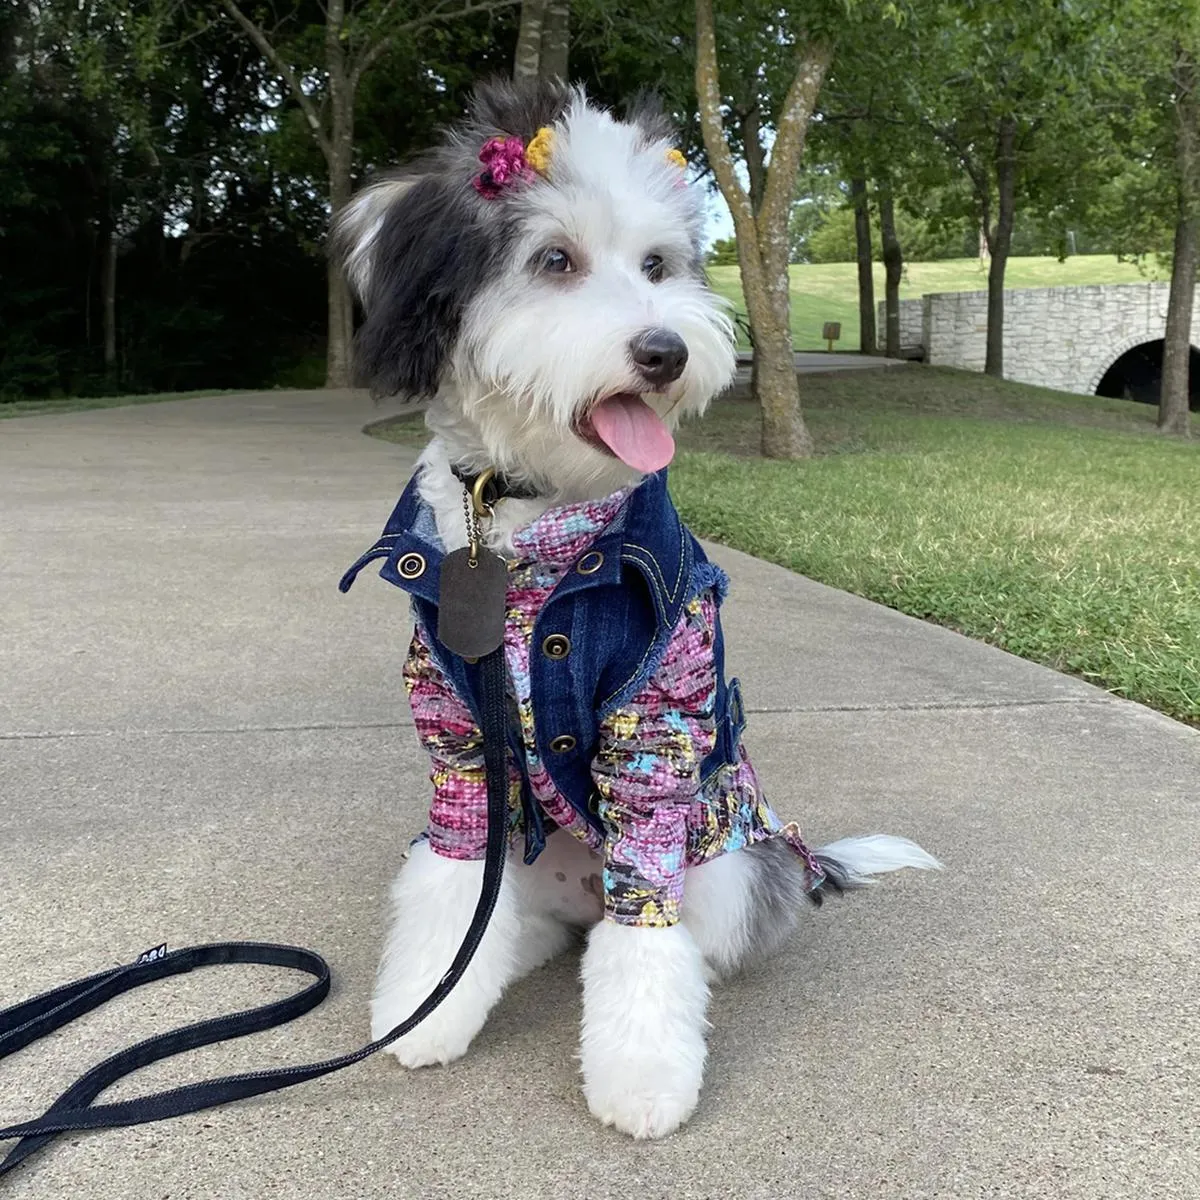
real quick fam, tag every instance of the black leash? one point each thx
(73, 1110)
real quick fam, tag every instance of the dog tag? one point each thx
(471, 602)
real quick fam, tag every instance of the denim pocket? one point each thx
(734, 723)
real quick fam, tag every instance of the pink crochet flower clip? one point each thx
(504, 164)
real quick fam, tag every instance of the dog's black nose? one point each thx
(659, 355)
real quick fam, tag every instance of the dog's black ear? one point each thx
(518, 107)
(646, 111)
(422, 252)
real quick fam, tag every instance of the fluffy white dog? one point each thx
(539, 278)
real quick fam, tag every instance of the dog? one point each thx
(538, 278)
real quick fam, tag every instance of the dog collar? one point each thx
(496, 487)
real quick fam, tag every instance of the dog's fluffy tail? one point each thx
(852, 863)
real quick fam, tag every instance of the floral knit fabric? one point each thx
(659, 816)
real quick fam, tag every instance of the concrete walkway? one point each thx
(200, 739)
(819, 362)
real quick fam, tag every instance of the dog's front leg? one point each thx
(433, 899)
(642, 1046)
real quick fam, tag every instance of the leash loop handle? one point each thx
(32, 1019)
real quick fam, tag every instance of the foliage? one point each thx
(723, 253)
(146, 126)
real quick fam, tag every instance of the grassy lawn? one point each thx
(1061, 528)
(829, 291)
(34, 408)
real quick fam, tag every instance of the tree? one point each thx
(893, 265)
(865, 258)
(355, 37)
(762, 231)
(1173, 414)
(819, 192)
(1152, 199)
(1009, 89)
(543, 40)
(724, 253)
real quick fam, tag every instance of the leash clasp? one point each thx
(479, 490)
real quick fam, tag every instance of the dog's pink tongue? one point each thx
(634, 432)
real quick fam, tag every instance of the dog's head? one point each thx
(540, 276)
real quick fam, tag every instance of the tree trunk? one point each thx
(556, 40)
(108, 289)
(867, 343)
(1173, 416)
(339, 158)
(1000, 242)
(756, 168)
(893, 263)
(762, 237)
(528, 58)
(1175, 396)
(784, 433)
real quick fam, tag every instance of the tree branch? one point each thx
(791, 129)
(268, 51)
(708, 89)
(372, 51)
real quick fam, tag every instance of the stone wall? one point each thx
(911, 323)
(1064, 338)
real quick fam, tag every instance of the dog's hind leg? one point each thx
(743, 904)
(433, 900)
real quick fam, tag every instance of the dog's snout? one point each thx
(659, 356)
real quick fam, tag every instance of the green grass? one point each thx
(829, 291)
(70, 404)
(1060, 528)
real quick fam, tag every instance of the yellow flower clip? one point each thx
(676, 159)
(537, 153)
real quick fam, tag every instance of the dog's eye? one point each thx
(556, 261)
(652, 267)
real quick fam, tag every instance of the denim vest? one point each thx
(616, 611)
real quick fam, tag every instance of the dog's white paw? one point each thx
(642, 1047)
(445, 1035)
(431, 1047)
(651, 1112)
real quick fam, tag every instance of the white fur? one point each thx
(877, 854)
(433, 899)
(360, 223)
(642, 1047)
(718, 909)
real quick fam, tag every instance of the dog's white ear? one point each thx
(356, 228)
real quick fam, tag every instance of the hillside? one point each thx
(829, 291)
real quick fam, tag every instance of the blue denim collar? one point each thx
(646, 534)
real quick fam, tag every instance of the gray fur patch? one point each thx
(777, 895)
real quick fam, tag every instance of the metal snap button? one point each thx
(563, 744)
(411, 566)
(590, 563)
(556, 646)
